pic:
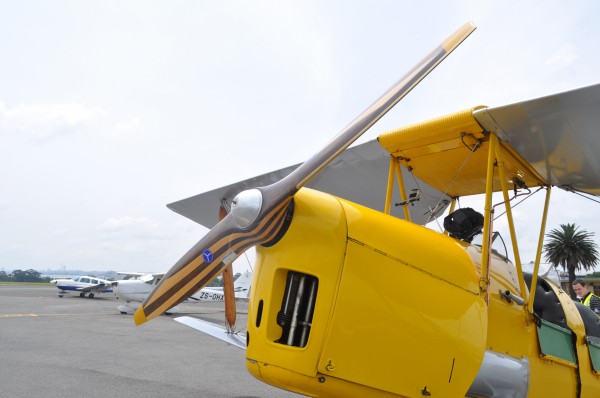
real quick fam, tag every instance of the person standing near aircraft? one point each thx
(588, 298)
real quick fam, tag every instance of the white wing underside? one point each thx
(359, 175)
(559, 135)
(213, 330)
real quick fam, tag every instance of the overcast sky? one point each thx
(109, 110)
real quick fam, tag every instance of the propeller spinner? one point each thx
(258, 215)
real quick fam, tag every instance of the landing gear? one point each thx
(81, 294)
(125, 309)
(173, 310)
(91, 295)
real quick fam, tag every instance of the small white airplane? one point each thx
(136, 290)
(83, 284)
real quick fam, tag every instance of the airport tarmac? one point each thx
(80, 347)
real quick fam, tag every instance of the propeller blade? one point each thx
(257, 215)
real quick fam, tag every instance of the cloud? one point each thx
(129, 127)
(125, 236)
(563, 58)
(44, 122)
(61, 231)
(127, 222)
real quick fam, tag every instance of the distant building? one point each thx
(592, 282)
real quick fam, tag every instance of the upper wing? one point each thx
(359, 174)
(144, 276)
(150, 277)
(558, 135)
(552, 140)
(134, 274)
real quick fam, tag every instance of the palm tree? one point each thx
(572, 249)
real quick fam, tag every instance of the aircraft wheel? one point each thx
(123, 312)
(82, 294)
(91, 295)
(60, 295)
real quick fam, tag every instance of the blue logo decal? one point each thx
(208, 256)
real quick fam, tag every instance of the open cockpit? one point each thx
(513, 152)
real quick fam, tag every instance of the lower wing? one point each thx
(214, 330)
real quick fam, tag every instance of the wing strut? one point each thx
(228, 289)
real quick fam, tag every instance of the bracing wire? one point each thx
(576, 192)
(248, 260)
(519, 202)
(472, 150)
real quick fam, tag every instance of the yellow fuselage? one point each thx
(393, 311)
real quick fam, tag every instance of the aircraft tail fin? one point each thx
(242, 283)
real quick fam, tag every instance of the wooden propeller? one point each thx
(257, 215)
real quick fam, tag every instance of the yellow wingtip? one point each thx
(457, 37)
(139, 317)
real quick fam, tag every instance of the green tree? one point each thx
(30, 275)
(217, 282)
(33, 276)
(18, 276)
(572, 249)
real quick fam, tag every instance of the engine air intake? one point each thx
(297, 308)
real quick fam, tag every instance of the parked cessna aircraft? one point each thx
(89, 285)
(488, 329)
(136, 290)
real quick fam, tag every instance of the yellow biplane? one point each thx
(486, 328)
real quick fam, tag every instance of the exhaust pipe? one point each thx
(501, 376)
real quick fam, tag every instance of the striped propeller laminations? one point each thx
(226, 240)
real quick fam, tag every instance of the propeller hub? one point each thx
(246, 207)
